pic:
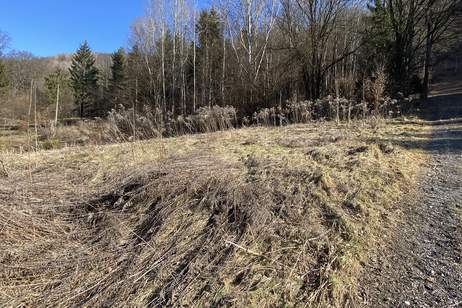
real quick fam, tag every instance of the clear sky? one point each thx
(50, 27)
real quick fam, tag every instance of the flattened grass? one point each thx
(249, 217)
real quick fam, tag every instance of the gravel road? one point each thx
(421, 266)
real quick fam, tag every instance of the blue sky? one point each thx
(50, 27)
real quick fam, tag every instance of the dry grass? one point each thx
(250, 217)
(81, 133)
(12, 140)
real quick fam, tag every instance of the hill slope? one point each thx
(245, 217)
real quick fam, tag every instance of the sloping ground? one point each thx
(262, 216)
(421, 264)
(12, 139)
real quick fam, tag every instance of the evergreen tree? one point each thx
(118, 82)
(60, 77)
(84, 80)
(379, 37)
(398, 35)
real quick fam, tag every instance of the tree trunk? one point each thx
(175, 21)
(35, 118)
(164, 100)
(428, 59)
(223, 76)
(194, 59)
(57, 105)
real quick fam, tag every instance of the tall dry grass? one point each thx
(329, 108)
(124, 124)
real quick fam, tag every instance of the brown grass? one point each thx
(250, 217)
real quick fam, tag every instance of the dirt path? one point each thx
(421, 266)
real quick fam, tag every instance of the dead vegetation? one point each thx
(251, 217)
(125, 124)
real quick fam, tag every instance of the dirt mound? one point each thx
(218, 234)
(260, 223)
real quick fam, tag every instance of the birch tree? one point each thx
(249, 25)
(311, 27)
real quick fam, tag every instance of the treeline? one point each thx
(255, 54)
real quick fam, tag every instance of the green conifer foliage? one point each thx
(51, 84)
(118, 82)
(84, 81)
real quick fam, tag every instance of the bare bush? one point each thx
(80, 133)
(124, 123)
(329, 108)
(374, 88)
(214, 119)
(346, 87)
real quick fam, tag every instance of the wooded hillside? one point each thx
(250, 55)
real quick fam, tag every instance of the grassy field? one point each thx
(12, 140)
(248, 217)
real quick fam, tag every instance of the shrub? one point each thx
(124, 123)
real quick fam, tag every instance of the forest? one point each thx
(249, 57)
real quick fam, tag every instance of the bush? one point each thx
(124, 123)
(51, 144)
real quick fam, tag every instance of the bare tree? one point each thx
(4, 42)
(312, 28)
(194, 56)
(439, 16)
(249, 25)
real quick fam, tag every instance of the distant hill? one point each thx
(65, 60)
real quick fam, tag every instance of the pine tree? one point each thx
(84, 80)
(118, 82)
(210, 33)
(51, 84)
(4, 82)
(380, 34)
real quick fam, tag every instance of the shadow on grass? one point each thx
(436, 145)
(444, 113)
(441, 107)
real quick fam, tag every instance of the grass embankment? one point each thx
(250, 217)
(10, 139)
